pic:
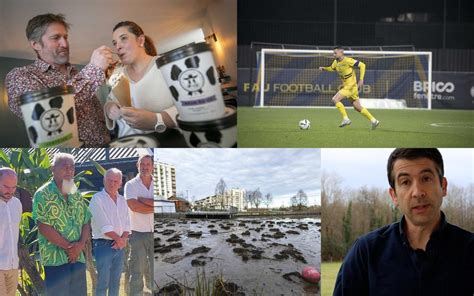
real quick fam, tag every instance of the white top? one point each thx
(10, 213)
(135, 188)
(108, 216)
(150, 93)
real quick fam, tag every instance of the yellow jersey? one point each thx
(345, 70)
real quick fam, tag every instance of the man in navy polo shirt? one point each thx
(420, 255)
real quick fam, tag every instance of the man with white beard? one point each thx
(63, 220)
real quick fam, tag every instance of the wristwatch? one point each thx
(160, 125)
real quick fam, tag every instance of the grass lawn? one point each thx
(90, 290)
(89, 285)
(122, 286)
(329, 272)
(278, 127)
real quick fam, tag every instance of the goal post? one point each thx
(393, 79)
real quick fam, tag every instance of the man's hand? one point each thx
(102, 57)
(139, 206)
(53, 236)
(74, 251)
(147, 201)
(321, 68)
(119, 243)
(359, 84)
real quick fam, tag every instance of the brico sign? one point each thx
(436, 87)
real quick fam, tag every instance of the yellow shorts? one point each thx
(350, 92)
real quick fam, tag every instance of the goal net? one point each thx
(393, 79)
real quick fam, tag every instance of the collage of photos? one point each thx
(345, 148)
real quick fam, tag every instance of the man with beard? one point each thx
(139, 194)
(63, 220)
(48, 36)
(10, 213)
(422, 254)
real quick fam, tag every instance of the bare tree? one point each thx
(293, 201)
(257, 197)
(268, 199)
(458, 206)
(220, 192)
(332, 215)
(330, 188)
(301, 199)
(248, 198)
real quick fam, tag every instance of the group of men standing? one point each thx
(66, 223)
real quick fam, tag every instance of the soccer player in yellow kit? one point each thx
(344, 66)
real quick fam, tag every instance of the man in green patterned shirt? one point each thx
(63, 220)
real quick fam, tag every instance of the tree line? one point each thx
(350, 213)
(254, 198)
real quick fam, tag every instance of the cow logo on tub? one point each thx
(192, 79)
(52, 120)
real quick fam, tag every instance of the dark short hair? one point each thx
(411, 154)
(38, 25)
(338, 47)
(136, 30)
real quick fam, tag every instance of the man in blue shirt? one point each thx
(420, 255)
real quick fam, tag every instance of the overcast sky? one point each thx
(358, 167)
(281, 172)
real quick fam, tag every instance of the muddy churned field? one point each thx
(245, 256)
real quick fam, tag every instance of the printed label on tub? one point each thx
(196, 102)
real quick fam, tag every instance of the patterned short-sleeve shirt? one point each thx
(90, 115)
(66, 217)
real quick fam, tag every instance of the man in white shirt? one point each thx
(10, 213)
(110, 231)
(139, 195)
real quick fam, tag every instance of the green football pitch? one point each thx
(329, 272)
(278, 127)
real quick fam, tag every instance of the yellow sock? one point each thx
(342, 110)
(367, 114)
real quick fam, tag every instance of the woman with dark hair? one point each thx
(152, 105)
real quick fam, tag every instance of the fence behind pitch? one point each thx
(394, 79)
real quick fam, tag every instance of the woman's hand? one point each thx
(113, 111)
(139, 118)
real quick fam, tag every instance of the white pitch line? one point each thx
(453, 124)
